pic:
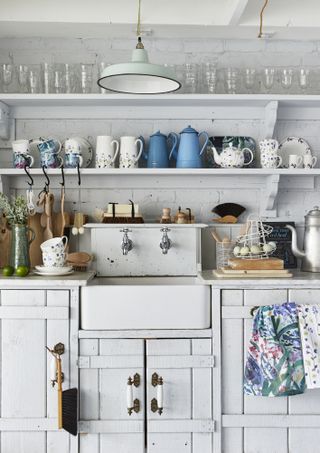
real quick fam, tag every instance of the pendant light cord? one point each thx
(139, 19)
(261, 18)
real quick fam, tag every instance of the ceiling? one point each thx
(284, 19)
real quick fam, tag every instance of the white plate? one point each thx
(45, 274)
(292, 145)
(53, 270)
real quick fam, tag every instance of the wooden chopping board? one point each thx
(35, 251)
(267, 263)
(220, 274)
(5, 238)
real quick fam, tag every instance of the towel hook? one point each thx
(47, 184)
(62, 174)
(253, 309)
(79, 177)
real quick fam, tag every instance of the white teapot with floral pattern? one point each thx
(231, 157)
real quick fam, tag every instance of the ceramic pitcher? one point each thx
(189, 151)
(107, 149)
(158, 153)
(131, 149)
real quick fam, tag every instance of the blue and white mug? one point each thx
(49, 150)
(72, 150)
(21, 154)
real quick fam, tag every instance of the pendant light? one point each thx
(139, 76)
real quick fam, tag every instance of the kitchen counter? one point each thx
(37, 281)
(299, 279)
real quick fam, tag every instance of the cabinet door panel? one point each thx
(265, 440)
(103, 401)
(31, 323)
(187, 396)
(306, 440)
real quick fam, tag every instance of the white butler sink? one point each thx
(112, 303)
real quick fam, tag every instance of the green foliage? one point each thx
(16, 210)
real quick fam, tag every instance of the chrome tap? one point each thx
(127, 243)
(165, 243)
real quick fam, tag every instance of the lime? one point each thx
(22, 271)
(7, 271)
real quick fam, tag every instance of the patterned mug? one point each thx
(49, 150)
(21, 154)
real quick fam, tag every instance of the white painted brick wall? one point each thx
(292, 204)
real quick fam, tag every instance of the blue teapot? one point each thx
(158, 154)
(189, 152)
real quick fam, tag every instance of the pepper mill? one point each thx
(166, 215)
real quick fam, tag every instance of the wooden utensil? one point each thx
(215, 235)
(267, 263)
(5, 238)
(34, 222)
(48, 233)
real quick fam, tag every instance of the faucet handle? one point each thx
(125, 230)
(165, 230)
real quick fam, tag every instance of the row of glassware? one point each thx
(196, 78)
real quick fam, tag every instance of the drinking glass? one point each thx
(7, 75)
(58, 79)
(231, 80)
(23, 77)
(286, 78)
(209, 77)
(86, 78)
(250, 79)
(35, 79)
(70, 77)
(268, 78)
(304, 79)
(47, 71)
(190, 77)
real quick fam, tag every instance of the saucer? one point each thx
(53, 270)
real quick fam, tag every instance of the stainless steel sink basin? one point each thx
(111, 303)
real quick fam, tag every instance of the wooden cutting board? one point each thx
(5, 238)
(266, 263)
(220, 274)
(35, 251)
(229, 270)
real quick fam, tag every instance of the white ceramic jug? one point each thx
(107, 149)
(130, 152)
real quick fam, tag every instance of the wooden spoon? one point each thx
(48, 234)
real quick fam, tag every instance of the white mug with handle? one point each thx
(107, 149)
(130, 151)
(309, 161)
(295, 161)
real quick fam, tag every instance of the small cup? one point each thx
(54, 259)
(294, 161)
(309, 161)
(55, 245)
(49, 150)
(271, 161)
(21, 155)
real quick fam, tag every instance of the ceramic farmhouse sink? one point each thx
(145, 303)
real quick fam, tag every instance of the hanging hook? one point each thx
(31, 182)
(79, 176)
(62, 174)
(47, 184)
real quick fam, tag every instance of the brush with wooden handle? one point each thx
(59, 382)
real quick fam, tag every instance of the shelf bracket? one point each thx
(270, 118)
(4, 121)
(270, 194)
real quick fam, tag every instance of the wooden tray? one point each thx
(220, 274)
(229, 270)
(266, 263)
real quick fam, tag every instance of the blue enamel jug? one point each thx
(189, 151)
(158, 153)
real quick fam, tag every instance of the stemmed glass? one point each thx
(268, 78)
(23, 77)
(7, 75)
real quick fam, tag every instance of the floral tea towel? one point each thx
(274, 365)
(309, 322)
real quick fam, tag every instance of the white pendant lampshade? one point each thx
(139, 76)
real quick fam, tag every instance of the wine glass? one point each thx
(23, 77)
(7, 75)
(286, 78)
(268, 78)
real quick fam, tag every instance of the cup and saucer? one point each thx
(54, 258)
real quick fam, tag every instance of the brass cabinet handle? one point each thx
(133, 405)
(157, 403)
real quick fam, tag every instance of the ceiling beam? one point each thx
(237, 11)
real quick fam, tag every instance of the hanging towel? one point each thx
(309, 322)
(274, 365)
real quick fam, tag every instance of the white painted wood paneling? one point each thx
(187, 396)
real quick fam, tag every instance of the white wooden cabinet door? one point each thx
(185, 425)
(105, 425)
(29, 321)
(257, 424)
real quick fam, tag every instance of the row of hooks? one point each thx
(47, 182)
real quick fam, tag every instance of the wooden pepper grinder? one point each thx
(166, 215)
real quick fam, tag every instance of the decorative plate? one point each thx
(292, 145)
(221, 142)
